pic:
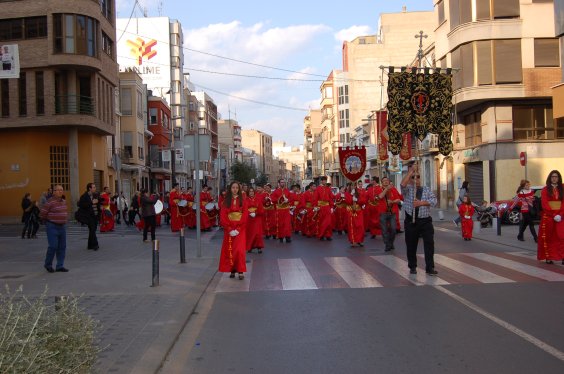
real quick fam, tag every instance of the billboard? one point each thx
(10, 57)
(144, 47)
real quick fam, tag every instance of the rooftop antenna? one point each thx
(160, 8)
(145, 12)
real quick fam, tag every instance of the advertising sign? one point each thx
(10, 57)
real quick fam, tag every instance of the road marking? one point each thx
(400, 266)
(294, 275)
(227, 284)
(523, 268)
(351, 273)
(506, 325)
(471, 271)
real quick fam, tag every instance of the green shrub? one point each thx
(41, 337)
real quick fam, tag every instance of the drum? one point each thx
(158, 207)
(194, 206)
(182, 203)
(210, 206)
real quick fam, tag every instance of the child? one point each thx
(466, 211)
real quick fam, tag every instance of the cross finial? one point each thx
(420, 36)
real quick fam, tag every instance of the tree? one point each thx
(261, 180)
(243, 172)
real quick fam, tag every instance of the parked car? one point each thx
(512, 216)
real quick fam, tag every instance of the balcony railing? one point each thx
(75, 104)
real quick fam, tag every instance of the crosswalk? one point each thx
(389, 271)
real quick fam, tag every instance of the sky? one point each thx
(288, 47)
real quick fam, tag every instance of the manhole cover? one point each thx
(10, 276)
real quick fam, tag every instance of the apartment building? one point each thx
(160, 145)
(508, 61)
(313, 157)
(261, 143)
(56, 114)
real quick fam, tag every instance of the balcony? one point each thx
(75, 104)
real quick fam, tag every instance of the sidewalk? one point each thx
(138, 323)
(508, 235)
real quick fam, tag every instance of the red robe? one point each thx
(307, 205)
(467, 224)
(107, 221)
(355, 217)
(188, 213)
(254, 224)
(341, 214)
(232, 258)
(551, 233)
(205, 222)
(175, 217)
(323, 199)
(269, 217)
(283, 216)
(373, 210)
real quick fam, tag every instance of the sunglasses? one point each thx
(415, 176)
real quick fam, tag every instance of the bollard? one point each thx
(155, 281)
(441, 215)
(498, 222)
(182, 247)
(476, 227)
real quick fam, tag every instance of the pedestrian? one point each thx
(355, 198)
(466, 212)
(254, 224)
(88, 213)
(234, 215)
(148, 213)
(55, 214)
(525, 200)
(323, 202)
(34, 220)
(389, 200)
(107, 222)
(134, 208)
(418, 222)
(463, 191)
(26, 215)
(550, 245)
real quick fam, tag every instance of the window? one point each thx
(75, 34)
(454, 13)
(153, 112)
(507, 55)
(441, 11)
(506, 9)
(472, 129)
(126, 104)
(107, 44)
(343, 118)
(39, 94)
(484, 62)
(140, 145)
(139, 105)
(344, 94)
(483, 9)
(22, 94)
(467, 59)
(59, 166)
(559, 128)
(23, 28)
(465, 11)
(35, 27)
(106, 8)
(457, 63)
(128, 144)
(5, 93)
(328, 92)
(533, 122)
(547, 53)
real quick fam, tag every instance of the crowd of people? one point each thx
(250, 215)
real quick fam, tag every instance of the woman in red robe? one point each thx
(254, 223)
(234, 215)
(466, 211)
(107, 221)
(551, 231)
(355, 197)
(175, 218)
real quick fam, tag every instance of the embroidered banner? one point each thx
(406, 144)
(382, 123)
(353, 162)
(419, 103)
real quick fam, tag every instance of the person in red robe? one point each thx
(107, 221)
(295, 207)
(373, 208)
(255, 239)
(341, 214)
(176, 221)
(388, 210)
(281, 197)
(189, 216)
(355, 198)
(466, 211)
(205, 198)
(323, 203)
(234, 216)
(550, 246)
(269, 217)
(311, 215)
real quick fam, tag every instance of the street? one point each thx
(308, 306)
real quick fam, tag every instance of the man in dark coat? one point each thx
(88, 213)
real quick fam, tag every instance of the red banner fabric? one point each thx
(405, 152)
(353, 162)
(382, 118)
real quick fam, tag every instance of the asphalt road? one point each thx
(322, 307)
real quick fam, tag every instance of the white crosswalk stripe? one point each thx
(351, 273)
(400, 266)
(471, 271)
(295, 275)
(523, 268)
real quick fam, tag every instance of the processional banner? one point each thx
(352, 161)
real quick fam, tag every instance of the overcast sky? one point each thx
(292, 36)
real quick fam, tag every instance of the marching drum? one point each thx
(158, 207)
(182, 203)
(210, 206)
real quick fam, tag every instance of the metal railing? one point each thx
(75, 104)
